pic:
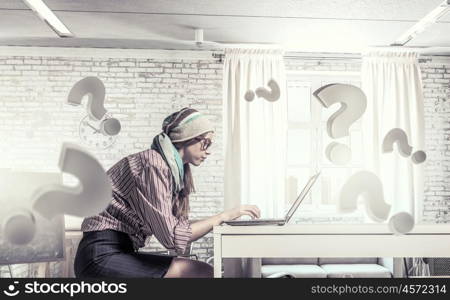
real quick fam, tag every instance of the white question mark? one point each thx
(353, 105)
(88, 198)
(399, 137)
(369, 186)
(272, 95)
(95, 89)
(19, 227)
(338, 153)
(401, 223)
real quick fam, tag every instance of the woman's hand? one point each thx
(202, 227)
(249, 210)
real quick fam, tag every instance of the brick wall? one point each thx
(141, 90)
(436, 81)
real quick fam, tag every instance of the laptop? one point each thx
(289, 214)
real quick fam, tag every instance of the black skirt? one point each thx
(109, 253)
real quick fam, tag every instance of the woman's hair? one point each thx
(181, 205)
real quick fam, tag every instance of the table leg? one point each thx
(253, 268)
(217, 255)
(399, 267)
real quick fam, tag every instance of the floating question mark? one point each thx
(88, 198)
(338, 153)
(262, 92)
(399, 137)
(95, 89)
(401, 223)
(353, 105)
(369, 186)
(19, 227)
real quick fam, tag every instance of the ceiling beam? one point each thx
(425, 22)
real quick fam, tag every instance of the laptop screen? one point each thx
(302, 196)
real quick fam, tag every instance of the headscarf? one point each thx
(180, 126)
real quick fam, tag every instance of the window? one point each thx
(307, 141)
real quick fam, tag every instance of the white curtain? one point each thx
(392, 83)
(254, 132)
(416, 266)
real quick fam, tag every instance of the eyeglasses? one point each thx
(206, 142)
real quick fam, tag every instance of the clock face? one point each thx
(90, 134)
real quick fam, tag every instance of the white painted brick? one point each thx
(127, 64)
(168, 70)
(133, 70)
(14, 61)
(85, 74)
(32, 61)
(7, 72)
(116, 70)
(184, 70)
(182, 76)
(435, 75)
(146, 64)
(99, 69)
(153, 70)
(22, 67)
(207, 71)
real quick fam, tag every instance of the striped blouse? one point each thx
(141, 203)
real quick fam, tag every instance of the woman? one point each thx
(151, 197)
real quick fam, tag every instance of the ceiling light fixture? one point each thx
(199, 36)
(426, 21)
(44, 13)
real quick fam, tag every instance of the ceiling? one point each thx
(295, 25)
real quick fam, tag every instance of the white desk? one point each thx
(305, 240)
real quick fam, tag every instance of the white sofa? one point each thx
(368, 267)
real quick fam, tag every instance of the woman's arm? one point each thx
(153, 205)
(152, 202)
(202, 227)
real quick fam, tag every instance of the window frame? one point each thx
(316, 79)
